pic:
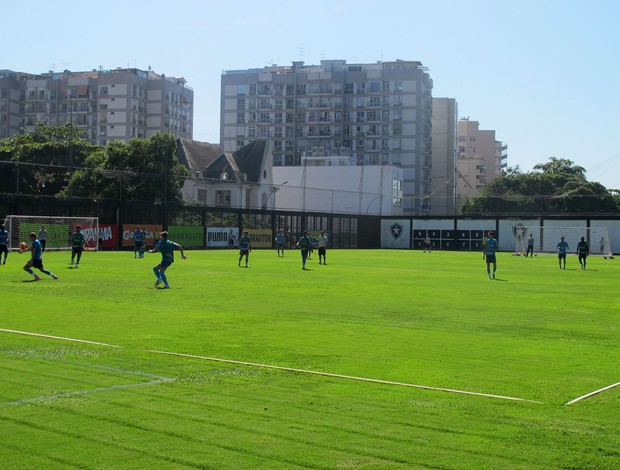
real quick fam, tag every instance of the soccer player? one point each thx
(245, 246)
(427, 244)
(602, 245)
(4, 243)
(562, 249)
(77, 245)
(138, 242)
(530, 246)
(280, 241)
(166, 248)
(305, 243)
(36, 259)
(42, 237)
(583, 250)
(490, 247)
(322, 245)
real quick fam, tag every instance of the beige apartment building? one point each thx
(377, 114)
(108, 105)
(480, 159)
(443, 172)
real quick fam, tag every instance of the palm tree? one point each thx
(558, 166)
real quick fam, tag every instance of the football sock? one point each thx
(162, 276)
(30, 271)
(156, 271)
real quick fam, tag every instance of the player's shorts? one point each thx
(244, 252)
(322, 251)
(4, 249)
(76, 249)
(37, 263)
(165, 263)
(280, 246)
(583, 257)
(490, 258)
(561, 255)
(304, 253)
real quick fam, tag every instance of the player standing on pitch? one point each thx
(4, 243)
(166, 248)
(583, 250)
(36, 260)
(280, 241)
(490, 247)
(77, 245)
(305, 243)
(562, 250)
(245, 246)
(322, 245)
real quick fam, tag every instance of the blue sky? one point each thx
(543, 74)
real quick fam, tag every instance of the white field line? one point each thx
(289, 369)
(595, 392)
(349, 377)
(157, 380)
(58, 337)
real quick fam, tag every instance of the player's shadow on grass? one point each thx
(500, 279)
(29, 280)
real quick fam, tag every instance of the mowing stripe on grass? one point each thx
(58, 337)
(289, 369)
(595, 392)
(340, 376)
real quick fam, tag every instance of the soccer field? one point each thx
(381, 359)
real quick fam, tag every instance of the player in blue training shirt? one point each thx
(490, 247)
(245, 246)
(139, 235)
(4, 243)
(36, 260)
(77, 245)
(562, 250)
(166, 248)
(280, 240)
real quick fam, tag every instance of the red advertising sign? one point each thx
(152, 234)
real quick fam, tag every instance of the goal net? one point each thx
(58, 230)
(546, 239)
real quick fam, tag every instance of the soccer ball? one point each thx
(23, 246)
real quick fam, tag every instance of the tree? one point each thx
(558, 186)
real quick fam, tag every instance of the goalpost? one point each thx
(59, 230)
(548, 238)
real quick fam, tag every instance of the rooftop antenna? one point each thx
(301, 53)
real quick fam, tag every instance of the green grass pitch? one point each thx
(539, 334)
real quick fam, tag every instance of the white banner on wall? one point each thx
(395, 233)
(222, 236)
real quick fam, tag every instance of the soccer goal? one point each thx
(59, 230)
(597, 238)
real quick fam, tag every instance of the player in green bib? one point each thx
(583, 250)
(305, 243)
(166, 248)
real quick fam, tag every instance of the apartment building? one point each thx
(108, 105)
(443, 171)
(377, 113)
(481, 158)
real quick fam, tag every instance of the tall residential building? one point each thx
(377, 113)
(108, 105)
(481, 159)
(443, 172)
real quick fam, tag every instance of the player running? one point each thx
(562, 250)
(138, 242)
(4, 243)
(583, 250)
(77, 245)
(490, 247)
(166, 248)
(36, 260)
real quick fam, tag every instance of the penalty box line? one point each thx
(340, 376)
(289, 369)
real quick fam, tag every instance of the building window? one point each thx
(222, 198)
(202, 195)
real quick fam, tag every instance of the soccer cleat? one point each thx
(157, 282)
(54, 276)
(166, 286)
(37, 278)
(493, 275)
